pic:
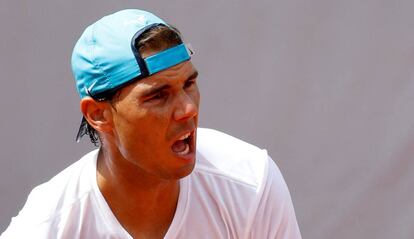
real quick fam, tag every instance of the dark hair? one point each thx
(157, 38)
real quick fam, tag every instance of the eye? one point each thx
(189, 83)
(158, 96)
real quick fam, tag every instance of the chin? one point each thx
(183, 172)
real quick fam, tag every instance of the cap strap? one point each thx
(143, 69)
(167, 58)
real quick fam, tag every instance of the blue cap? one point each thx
(105, 58)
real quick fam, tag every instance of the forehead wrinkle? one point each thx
(152, 86)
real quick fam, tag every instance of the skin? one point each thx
(138, 172)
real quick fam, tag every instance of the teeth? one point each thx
(184, 136)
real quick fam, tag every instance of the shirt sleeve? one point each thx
(275, 215)
(22, 225)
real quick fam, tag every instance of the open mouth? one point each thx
(183, 145)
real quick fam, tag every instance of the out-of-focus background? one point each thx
(326, 86)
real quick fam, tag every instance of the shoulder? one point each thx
(232, 173)
(230, 158)
(274, 215)
(49, 199)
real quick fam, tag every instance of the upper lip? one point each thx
(185, 134)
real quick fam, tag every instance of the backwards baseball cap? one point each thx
(105, 57)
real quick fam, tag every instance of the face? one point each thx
(155, 122)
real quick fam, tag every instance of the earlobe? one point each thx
(97, 114)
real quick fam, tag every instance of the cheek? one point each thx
(195, 95)
(141, 129)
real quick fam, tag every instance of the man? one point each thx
(140, 100)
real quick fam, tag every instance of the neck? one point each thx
(142, 203)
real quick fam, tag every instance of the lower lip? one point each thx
(185, 151)
(187, 157)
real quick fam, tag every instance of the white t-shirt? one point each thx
(235, 191)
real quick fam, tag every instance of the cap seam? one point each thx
(94, 60)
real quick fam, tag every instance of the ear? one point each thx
(97, 114)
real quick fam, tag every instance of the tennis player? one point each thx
(154, 174)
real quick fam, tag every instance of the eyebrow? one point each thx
(193, 76)
(166, 86)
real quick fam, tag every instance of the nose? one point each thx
(187, 107)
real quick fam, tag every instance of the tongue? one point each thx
(179, 146)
